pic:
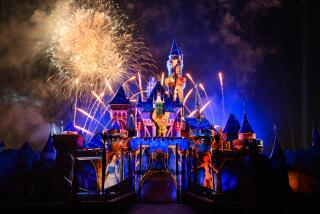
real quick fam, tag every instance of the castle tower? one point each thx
(231, 129)
(197, 99)
(119, 108)
(175, 82)
(277, 152)
(48, 153)
(246, 131)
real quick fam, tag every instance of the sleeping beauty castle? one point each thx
(153, 149)
(152, 145)
(151, 140)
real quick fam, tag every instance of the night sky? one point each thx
(267, 51)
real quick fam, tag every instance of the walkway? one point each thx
(160, 209)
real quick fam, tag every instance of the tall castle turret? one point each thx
(175, 82)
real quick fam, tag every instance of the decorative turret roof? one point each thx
(69, 127)
(120, 97)
(153, 95)
(49, 148)
(130, 123)
(194, 123)
(174, 49)
(139, 118)
(115, 126)
(315, 135)
(26, 147)
(277, 152)
(245, 125)
(168, 102)
(232, 125)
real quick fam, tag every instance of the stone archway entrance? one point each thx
(158, 186)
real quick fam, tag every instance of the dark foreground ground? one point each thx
(160, 208)
(187, 207)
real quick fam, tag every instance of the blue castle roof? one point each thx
(69, 127)
(277, 152)
(245, 125)
(115, 126)
(168, 102)
(194, 123)
(49, 148)
(232, 126)
(174, 49)
(120, 97)
(26, 147)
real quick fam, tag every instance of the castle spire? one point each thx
(120, 97)
(277, 152)
(174, 49)
(245, 125)
(197, 99)
(246, 131)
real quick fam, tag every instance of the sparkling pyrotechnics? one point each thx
(91, 43)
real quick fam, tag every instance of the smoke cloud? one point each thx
(27, 102)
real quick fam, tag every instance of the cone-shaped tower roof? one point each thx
(245, 125)
(69, 127)
(174, 49)
(26, 147)
(232, 125)
(277, 152)
(120, 97)
(115, 126)
(49, 148)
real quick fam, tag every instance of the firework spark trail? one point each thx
(96, 100)
(132, 96)
(101, 116)
(96, 110)
(187, 96)
(197, 94)
(222, 96)
(201, 110)
(109, 87)
(92, 43)
(99, 98)
(187, 108)
(205, 92)
(125, 85)
(84, 130)
(88, 115)
(140, 85)
(162, 78)
(189, 76)
(75, 105)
